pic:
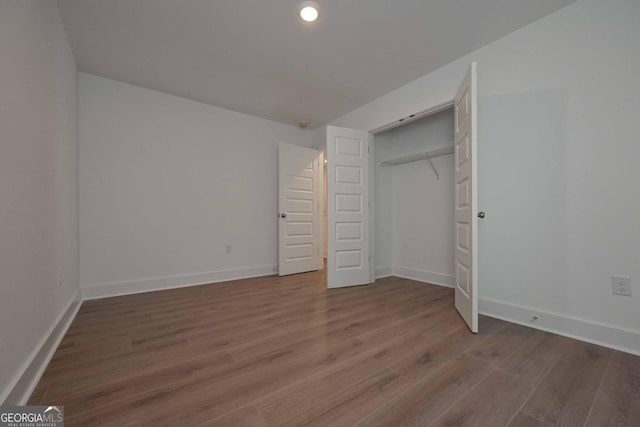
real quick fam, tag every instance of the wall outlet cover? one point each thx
(621, 285)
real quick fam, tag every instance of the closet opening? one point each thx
(388, 213)
(413, 200)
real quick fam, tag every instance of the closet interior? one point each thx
(414, 200)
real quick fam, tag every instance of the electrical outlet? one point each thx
(59, 278)
(621, 285)
(229, 248)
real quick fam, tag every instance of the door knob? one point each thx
(480, 214)
(283, 215)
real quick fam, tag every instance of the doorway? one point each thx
(414, 200)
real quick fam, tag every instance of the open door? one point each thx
(466, 199)
(298, 209)
(347, 207)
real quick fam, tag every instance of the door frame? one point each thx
(373, 132)
(321, 206)
(430, 111)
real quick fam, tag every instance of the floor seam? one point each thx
(537, 385)
(446, 411)
(595, 395)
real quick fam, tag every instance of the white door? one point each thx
(298, 209)
(466, 197)
(347, 207)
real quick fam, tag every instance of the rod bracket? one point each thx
(434, 168)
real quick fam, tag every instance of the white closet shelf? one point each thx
(416, 157)
(422, 156)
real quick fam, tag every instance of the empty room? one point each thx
(332, 213)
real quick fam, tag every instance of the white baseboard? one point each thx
(580, 329)
(161, 283)
(382, 272)
(423, 276)
(26, 380)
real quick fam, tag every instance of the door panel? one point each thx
(347, 207)
(466, 194)
(298, 200)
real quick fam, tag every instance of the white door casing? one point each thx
(466, 199)
(298, 209)
(347, 207)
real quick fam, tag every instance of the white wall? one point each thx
(558, 174)
(38, 181)
(166, 183)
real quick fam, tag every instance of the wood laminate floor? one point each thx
(286, 352)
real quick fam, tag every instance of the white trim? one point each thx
(371, 211)
(321, 214)
(25, 381)
(173, 282)
(572, 327)
(423, 276)
(413, 117)
(382, 272)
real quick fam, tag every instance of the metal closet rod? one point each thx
(422, 156)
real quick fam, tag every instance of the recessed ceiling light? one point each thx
(309, 11)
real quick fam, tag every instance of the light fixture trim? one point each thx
(309, 11)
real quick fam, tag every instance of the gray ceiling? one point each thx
(259, 58)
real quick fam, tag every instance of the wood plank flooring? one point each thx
(286, 352)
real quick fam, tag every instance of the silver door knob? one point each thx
(283, 215)
(480, 214)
